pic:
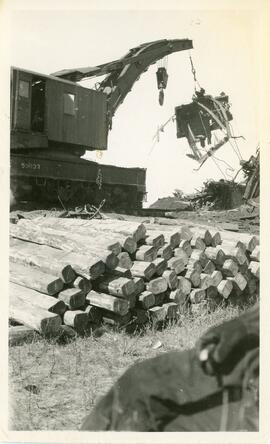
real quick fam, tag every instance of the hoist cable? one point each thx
(194, 72)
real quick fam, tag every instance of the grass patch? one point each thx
(53, 386)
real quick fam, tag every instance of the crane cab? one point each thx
(49, 112)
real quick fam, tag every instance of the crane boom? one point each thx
(123, 73)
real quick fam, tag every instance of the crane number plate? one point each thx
(30, 165)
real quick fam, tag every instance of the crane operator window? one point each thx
(24, 89)
(69, 104)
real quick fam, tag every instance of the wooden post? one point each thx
(158, 285)
(234, 253)
(146, 253)
(145, 270)
(77, 319)
(198, 243)
(83, 284)
(209, 267)
(254, 268)
(197, 295)
(216, 239)
(215, 254)
(180, 253)
(176, 264)
(205, 235)
(94, 314)
(199, 255)
(35, 317)
(194, 265)
(21, 334)
(165, 252)
(161, 265)
(186, 233)
(30, 297)
(124, 260)
(73, 298)
(184, 285)
(206, 281)
(157, 314)
(35, 279)
(156, 240)
(171, 310)
(108, 302)
(172, 238)
(225, 287)
(194, 277)
(46, 259)
(146, 300)
(255, 254)
(238, 281)
(185, 244)
(171, 278)
(216, 278)
(139, 285)
(229, 268)
(116, 319)
(120, 287)
(119, 272)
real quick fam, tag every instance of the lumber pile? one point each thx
(75, 274)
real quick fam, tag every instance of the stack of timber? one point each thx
(70, 275)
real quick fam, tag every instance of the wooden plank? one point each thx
(72, 297)
(145, 270)
(158, 285)
(18, 293)
(108, 302)
(34, 317)
(146, 253)
(177, 297)
(35, 279)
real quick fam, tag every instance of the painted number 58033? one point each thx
(30, 166)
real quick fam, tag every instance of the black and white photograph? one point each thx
(132, 272)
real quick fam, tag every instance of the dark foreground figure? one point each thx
(210, 388)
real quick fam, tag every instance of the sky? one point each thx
(225, 56)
